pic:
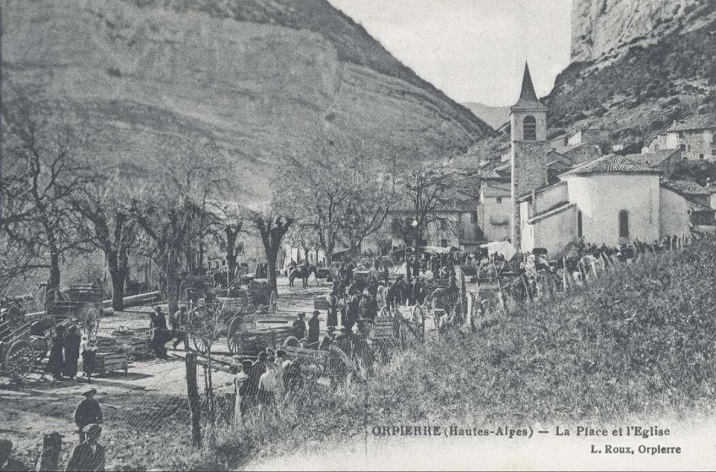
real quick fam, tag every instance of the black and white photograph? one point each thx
(358, 235)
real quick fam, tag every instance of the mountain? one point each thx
(259, 78)
(637, 65)
(493, 116)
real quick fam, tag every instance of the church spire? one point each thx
(528, 98)
(528, 89)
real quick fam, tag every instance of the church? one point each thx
(611, 199)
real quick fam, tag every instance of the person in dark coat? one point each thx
(6, 462)
(89, 357)
(352, 311)
(299, 327)
(87, 412)
(314, 328)
(159, 331)
(56, 362)
(72, 351)
(332, 319)
(88, 454)
(416, 266)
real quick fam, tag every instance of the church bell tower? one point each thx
(528, 124)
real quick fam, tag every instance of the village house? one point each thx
(694, 137)
(494, 208)
(665, 160)
(599, 137)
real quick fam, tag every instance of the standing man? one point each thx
(314, 329)
(299, 326)
(72, 351)
(87, 412)
(176, 322)
(88, 454)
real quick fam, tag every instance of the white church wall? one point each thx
(556, 231)
(601, 197)
(674, 219)
(527, 241)
(550, 197)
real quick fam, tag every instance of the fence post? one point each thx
(193, 395)
(50, 455)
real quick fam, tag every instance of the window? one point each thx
(499, 199)
(579, 224)
(443, 225)
(701, 156)
(623, 224)
(529, 128)
(473, 217)
(443, 242)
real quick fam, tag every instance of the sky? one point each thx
(473, 50)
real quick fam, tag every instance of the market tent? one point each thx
(507, 250)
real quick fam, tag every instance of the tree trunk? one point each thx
(118, 277)
(271, 254)
(172, 276)
(53, 282)
(193, 395)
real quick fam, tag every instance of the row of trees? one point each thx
(341, 190)
(60, 203)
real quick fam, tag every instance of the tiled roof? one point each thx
(612, 164)
(696, 122)
(652, 158)
(688, 187)
(496, 189)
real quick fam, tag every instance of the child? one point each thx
(89, 353)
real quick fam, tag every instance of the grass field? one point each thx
(637, 342)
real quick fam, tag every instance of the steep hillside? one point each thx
(638, 65)
(258, 77)
(493, 116)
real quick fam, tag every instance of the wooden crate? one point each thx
(281, 334)
(106, 362)
(384, 328)
(105, 344)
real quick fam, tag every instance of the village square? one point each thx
(152, 317)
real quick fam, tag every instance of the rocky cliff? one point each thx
(257, 77)
(603, 28)
(638, 65)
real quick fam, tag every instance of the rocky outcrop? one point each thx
(259, 78)
(602, 28)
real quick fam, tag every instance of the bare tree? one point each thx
(272, 229)
(109, 224)
(43, 173)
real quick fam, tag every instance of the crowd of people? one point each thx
(66, 346)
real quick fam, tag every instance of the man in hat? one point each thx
(299, 326)
(6, 462)
(88, 454)
(314, 329)
(87, 412)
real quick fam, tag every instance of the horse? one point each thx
(303, 272)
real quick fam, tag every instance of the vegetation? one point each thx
(654, 84)
(639, 341)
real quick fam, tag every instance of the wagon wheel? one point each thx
(15, 315)
(19, 360)
(232, 338)
(200, 343)
(91, 323)
(272, 302)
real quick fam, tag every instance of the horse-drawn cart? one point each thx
(17, 354)
(83, 308)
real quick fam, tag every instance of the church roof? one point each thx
(612, 164)
(496, 189)
(652, 158)
(528, 98)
